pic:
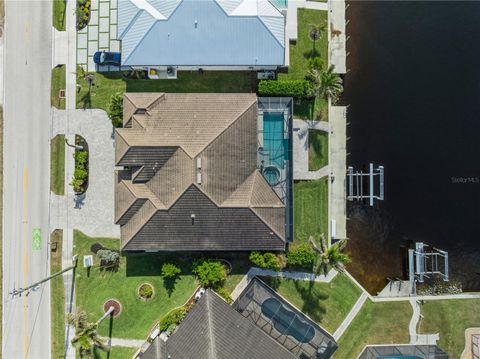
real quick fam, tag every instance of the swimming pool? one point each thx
(279, 4)
(274, 144)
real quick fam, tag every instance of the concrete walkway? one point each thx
(129, 343)
(254, 271)
(337, 206)
(300, 149)
(337, 35)
(415, 338)
(351, 315)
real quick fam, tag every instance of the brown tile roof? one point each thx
(208, 141)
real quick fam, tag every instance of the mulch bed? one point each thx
(115, 304)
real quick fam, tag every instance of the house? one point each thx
(207, 34)
(204, 172)
(214, 329)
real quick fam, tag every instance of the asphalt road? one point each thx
(27, 113)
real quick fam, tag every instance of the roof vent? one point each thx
(199, 162)
(199, 178)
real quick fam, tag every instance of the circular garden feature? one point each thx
(117, 307)
(145, 291)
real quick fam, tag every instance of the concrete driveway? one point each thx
(93, 214)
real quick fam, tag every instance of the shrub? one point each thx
(315, 63)
(172, 319)
(115, 110)
(81, 158)
(209, 272)
(170, 270)
(265, 261)
(80, 173)
(108, 258)
(295, 88)
(95, 247)
(301, 256)
(145, 291)
(224, 294)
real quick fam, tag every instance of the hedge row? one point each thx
(294, 88)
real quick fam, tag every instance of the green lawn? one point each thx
(300, 52)
(59, 7)
(58, 299)
(310, 210)
(137, 317)
(326, 303)
(240, 266)
(107, 84)
(317, 149)
(58, 83)
(116, 353)
(57, 165)
(376, 323)
(450, 318)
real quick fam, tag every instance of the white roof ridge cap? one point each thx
(146, 6)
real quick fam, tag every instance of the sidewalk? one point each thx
(351, 315)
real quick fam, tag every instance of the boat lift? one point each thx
(425, 261)
(356, 180)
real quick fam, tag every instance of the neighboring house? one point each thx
(215, 330)
(204, 172)
(403, 351)
(207, 34)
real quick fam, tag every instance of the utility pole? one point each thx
(19, 291)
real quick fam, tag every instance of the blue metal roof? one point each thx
(200, 33)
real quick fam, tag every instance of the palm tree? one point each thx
(316, 33)
(329, 257)
(325, 83)
(86, 338)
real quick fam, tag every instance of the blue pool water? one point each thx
(279, 4)
(274, 144)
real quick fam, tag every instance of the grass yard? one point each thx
(116, 353)
(57, 165)
(59, 7)
(326, 303)
(303, 50)
(310, 213)
(107, 84)
(58, 299)
(317, 149)
(137, 317)
(58, 83)
(450, 318)
(376, 323)
(240, 266)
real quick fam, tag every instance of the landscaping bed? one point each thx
(57, 165)
(59, 7)
(137, 317)
(450, 318)
(376, 323)
(80, 174)
(317, 149)
(326, 303)
(106, 84)
(311, 210)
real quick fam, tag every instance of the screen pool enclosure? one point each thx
(283, 322)
(274, 150)
(405, 351)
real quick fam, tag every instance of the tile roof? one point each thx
(214, 330)
(195, 154)
(201, 33)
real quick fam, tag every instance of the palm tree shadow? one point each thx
(312, 297)
(87, 100)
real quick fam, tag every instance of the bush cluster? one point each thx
(266, 260)
(80, 174)
(294, 88)
(224, 294)
(301, 256)
(83, 13)
(172, 319)
(145, 291)
(210, 273)
(115, 110)
(108, 258)
(170, 270)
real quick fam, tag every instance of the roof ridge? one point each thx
(211, 334)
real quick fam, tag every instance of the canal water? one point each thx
(413, 88)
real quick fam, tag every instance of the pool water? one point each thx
(279, 4)
(274, 144)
